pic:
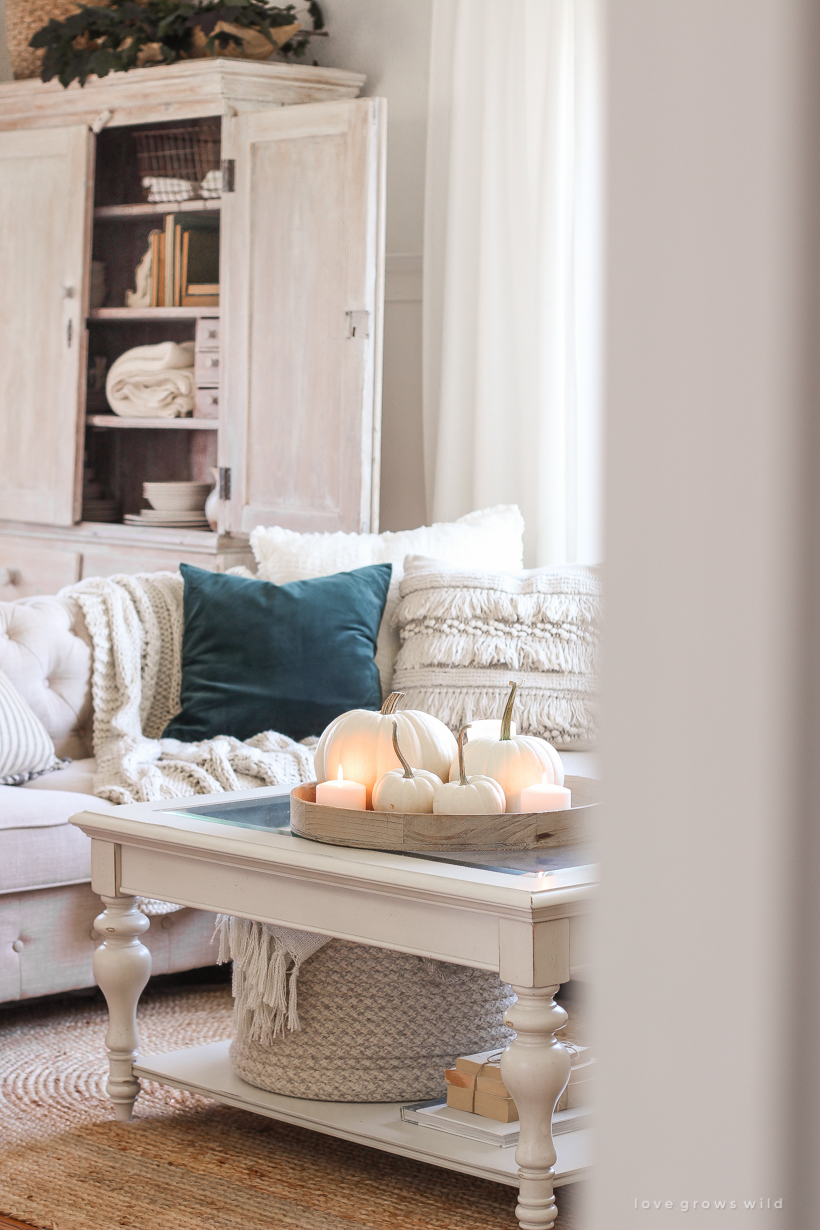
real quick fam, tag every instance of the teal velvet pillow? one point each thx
(290, 658)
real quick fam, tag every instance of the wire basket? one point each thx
(180, 164)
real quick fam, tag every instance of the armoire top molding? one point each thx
(172, 92)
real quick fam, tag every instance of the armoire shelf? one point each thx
(113, 420)
(126, 315)
(165, 207)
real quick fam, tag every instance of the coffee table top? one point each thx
(251, 828)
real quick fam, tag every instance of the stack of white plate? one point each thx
(173, 506)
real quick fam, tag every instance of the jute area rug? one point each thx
(189, 1164)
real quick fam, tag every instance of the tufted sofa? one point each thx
(47, 908)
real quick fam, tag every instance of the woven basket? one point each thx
(377, 1026)
(23, 19)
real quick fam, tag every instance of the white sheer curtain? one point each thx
(512, 269)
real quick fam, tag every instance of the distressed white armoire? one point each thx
(289, 362)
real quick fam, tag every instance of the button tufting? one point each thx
(18, 945)
(46, 683)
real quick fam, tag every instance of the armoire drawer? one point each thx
(207, 333)
(27, 570)
(206, 367)
(206, 405)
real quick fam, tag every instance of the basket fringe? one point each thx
(265, 994)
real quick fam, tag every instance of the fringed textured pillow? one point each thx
(465, 635)
(26, 749)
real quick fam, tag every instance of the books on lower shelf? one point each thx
(475, 1086)
(184, 264)
(443, 1118)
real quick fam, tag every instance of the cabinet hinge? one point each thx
(224, 482)
(228, 174)
(358, 324)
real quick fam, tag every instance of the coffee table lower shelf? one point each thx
(206, 1070)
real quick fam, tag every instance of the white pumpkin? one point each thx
(405, 789)
(469, 796)
(361, 741)
(515, 761)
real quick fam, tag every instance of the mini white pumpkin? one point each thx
(405, 789)
(515, 761)
(469, 796)
(361, 741)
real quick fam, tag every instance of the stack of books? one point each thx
(479, 1105)
(184, 264)
(579, 1090)
(441, 1117)
(475, 1085)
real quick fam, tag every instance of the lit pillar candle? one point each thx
(543, 796)
(340, 793)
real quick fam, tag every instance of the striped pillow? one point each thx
(26, 749)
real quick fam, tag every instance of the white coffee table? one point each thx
(528, 925)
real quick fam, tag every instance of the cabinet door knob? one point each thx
(9, 576)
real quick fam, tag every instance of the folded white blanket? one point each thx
(154, 382)
(166, 188)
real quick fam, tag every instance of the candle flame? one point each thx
(340, 775)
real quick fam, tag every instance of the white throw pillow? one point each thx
(466, 634)
(489, 538)
(26, 749)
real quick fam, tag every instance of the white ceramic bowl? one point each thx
(176, 497)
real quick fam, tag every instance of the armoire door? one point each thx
(44, 236)
(302, 297)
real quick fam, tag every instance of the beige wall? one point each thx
(710, 642)
(389, 40)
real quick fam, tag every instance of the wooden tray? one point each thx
(377, 830)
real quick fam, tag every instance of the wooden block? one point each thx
(476, 1063)
(491, 1071)
(460, 1099)
(464, 1080)
(504, 1110)
(489, 1084)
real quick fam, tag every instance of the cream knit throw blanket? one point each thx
(135, 625)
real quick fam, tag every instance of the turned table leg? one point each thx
(535, 1069)
(122, 966)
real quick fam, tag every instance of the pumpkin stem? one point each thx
(391, 702)
(408, 772)
(508, 708)
(462, 736)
